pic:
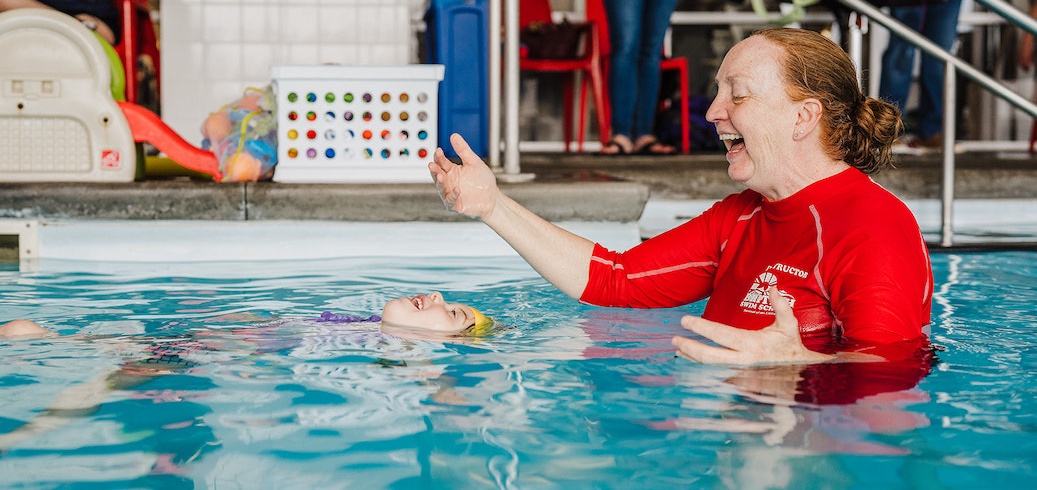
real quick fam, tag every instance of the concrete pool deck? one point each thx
(555, 198)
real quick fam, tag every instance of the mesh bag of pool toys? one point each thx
(243, 136)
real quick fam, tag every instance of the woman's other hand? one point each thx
(777, 343)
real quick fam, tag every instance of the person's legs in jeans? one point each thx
(940, 25)
(656, 21)
(624, 18)
(898, 60)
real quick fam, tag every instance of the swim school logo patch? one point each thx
(756, 300)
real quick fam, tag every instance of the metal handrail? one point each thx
(953, 65)
(1008, 11)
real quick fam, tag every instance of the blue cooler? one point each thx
(457, 37)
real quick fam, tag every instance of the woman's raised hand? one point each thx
(469, 188)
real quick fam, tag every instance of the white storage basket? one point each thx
(362, 124)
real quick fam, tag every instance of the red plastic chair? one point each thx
(590, 64)
(137, 38)
(680, 64)
(596, 14)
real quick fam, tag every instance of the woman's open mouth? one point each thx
(732, 141)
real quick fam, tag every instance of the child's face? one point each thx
(427, 313)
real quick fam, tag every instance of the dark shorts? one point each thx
(102, 9)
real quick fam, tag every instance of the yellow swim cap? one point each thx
(483, 324)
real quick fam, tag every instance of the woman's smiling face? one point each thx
(753, 114)
(429, 312)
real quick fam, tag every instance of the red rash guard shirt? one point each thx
(846, 253)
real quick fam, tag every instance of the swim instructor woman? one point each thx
(813, 262)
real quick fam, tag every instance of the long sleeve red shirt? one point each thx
(846, 253)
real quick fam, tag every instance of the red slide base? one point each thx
(148, 128)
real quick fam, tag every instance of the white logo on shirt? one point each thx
(756, 300)
(788, 269)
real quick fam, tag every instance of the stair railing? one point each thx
(953, 66)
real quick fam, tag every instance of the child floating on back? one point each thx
(425, 316)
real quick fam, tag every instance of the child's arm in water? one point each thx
(82, 399)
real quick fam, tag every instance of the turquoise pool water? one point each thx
(253, 394)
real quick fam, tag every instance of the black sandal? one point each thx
(656, 147)
(620, 151)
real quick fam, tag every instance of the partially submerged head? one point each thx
(430, 315)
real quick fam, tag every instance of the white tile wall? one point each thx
(213, 49)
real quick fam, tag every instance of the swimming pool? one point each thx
(572, 396)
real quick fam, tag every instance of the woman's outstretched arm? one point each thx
(470, 188)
